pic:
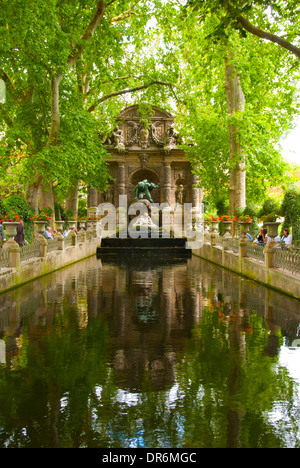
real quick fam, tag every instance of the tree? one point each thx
(63, 62)
(275, 20)
(290, 209)
(230, 133)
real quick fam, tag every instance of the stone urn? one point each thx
(72, 224)
(40, 226)
(59, 226)
(227, 227)
(214, 226)
(272, 228)
(206, 225)
(244, 227)
(82, 225)
(10, 229)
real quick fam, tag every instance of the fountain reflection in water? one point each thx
(144, 354)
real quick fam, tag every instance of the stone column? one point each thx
(167, 183)
(196, 192)
(121, 178)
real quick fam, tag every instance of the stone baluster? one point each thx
(269, 254)
(14, 254)
(60, 241)
(242, 247)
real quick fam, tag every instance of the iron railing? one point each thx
(4, 258)
(287, 259)
(255, 251)
(29, 251)
(233, 245)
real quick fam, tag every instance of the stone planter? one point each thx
(40, 226)
(227, 226)
(72, 224)
(272, 228)
(10, 229)
(244, 227)
(214, 226)
(82, 225)
(59, 226)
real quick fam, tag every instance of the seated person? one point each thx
(265, 236)
(259, 239)
(248, 235)
(67, 231)
(287, 238)
(48, 233)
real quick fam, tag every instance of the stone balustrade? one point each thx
(19, 265)
(271, 264)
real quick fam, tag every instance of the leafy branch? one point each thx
(129, 90)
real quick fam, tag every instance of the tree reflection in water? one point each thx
(183, 355)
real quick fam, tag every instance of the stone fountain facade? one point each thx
(137, 154)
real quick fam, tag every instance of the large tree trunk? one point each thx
(32, 194)
(72, 198)
(236, 103)
(46, 197)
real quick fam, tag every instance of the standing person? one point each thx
(2, 235)
(287, 238)
(20, 237)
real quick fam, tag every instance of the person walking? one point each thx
(2, 235)
(20, 237)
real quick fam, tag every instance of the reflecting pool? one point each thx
(183, 355)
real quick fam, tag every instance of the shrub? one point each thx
(2, 208)
(269, 206)
(59, 212)
(69, 214)
(250, 211)
(19, 205)
(290, 209)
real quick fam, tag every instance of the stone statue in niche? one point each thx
(109, 195)
(180, 194)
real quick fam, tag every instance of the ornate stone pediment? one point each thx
(131, 133)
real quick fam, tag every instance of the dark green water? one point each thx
(156, 356)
